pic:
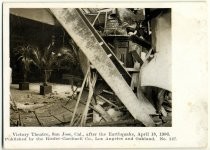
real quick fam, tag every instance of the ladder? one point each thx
(106, 48)
(103, 59)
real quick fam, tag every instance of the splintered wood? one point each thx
(78, 99)
(91, 85)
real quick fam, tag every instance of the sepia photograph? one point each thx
(90, 67)
(102, 74)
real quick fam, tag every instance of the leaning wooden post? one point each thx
(78, 98)
(90, 94)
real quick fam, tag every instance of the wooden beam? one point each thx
(78, 98)
(106, 100)
(95, 19)
(91, 84)
(103, 113)
(134, 70)
(137, 57)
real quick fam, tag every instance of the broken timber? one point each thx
(81, 31)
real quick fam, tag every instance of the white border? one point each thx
(189, 25)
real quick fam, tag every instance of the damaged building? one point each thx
(90, 67)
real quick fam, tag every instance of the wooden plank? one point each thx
(96, 18)
(81, 32)
(78, 99)
(140, 41)
(84, 97)
(106, 100)
(105, 115)
(134, 70)
(137, 57)
(101, 17)
(91, 84)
